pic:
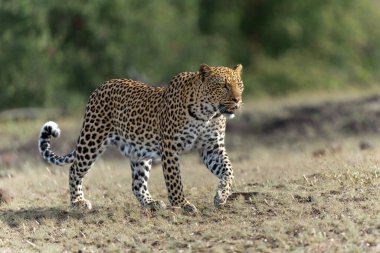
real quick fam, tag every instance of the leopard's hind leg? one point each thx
(89, 147)
(140, 176)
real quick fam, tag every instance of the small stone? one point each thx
(319, 152)
(155, 244)
(5, 196)
(365, 145)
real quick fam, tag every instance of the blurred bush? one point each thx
(54, 53)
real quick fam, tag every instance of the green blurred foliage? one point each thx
(54, 53)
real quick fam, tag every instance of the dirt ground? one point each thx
(306, 180)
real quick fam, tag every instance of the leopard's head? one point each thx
(222, 88)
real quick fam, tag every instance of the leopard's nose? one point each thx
(236, 99)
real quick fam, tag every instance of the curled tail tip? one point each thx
(51, 128)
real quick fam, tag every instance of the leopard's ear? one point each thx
(238, 68)
(205, 71)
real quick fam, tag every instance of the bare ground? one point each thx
(303, 183)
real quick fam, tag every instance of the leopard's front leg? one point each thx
(170, 166)
(217, 161)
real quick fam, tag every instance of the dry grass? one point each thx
(290, 201)
(296, 203)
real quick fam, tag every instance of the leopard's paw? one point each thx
(155, 205)
(190, 208)
(82, 204)
(220, 200)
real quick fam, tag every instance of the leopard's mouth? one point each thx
(226, 111)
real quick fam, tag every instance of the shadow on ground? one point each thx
(14, 218)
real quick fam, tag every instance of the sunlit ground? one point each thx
(307, 194)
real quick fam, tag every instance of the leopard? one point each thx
(147, 123)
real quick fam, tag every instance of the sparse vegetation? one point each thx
(286, 199)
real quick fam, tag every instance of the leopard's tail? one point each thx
(48, 130)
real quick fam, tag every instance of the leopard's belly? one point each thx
(137, 149)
